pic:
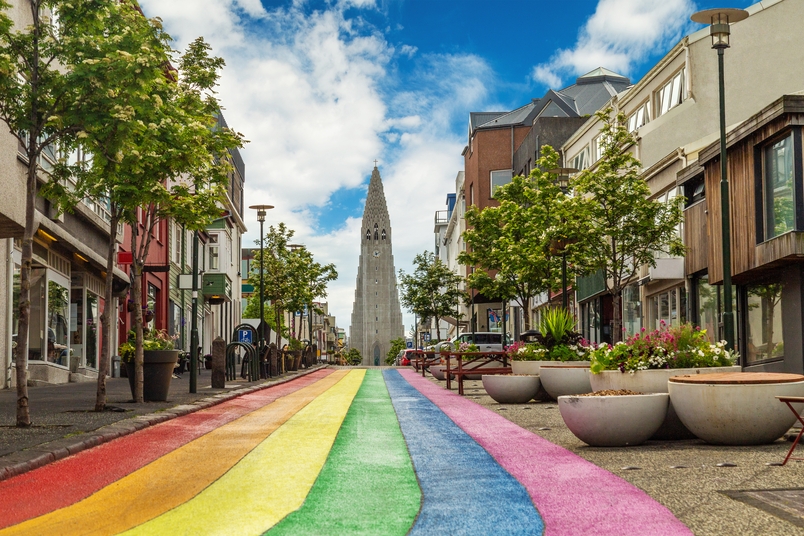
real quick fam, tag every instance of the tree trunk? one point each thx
(21, 356)
(107, 318)
(616, 317)
(136, 296)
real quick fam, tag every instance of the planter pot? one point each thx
(736, 408)
(507, 389)
(560, 379)
(531, 368)
(479, 375)
(614, 421)
(654, 381)
(157, 371)
(438, 372)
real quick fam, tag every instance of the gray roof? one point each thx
(587, 95)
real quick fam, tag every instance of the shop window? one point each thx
(58, 314)
(93, 330)
(590, 320)
(707, 307)
(778, 188)
(632, 310)
(668, 308)
(764, 337)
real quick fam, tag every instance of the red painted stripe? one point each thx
(74, 478)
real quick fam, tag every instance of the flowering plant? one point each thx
(669, 347)
(153, 339)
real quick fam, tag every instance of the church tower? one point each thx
(376, 314)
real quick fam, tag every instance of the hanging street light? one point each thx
(255, 366)
(719, 21)
(562, 181)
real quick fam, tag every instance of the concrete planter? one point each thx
(614, 421)
(527, 367)
(735, 414)
(654, 381)
(507, 389)
(438, 372)
(564, 378)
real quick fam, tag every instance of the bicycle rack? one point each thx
(231, 364)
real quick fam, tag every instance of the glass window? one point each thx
(632, 310)
(153, 299)
(639, 118)
(590, 320)
(177, 245)
(671, 94)
(668, 308)
(581, 160)
(499, 178)
(764, 322)
(58, 314)
(779, 202)
(707, 298)
(93, 330)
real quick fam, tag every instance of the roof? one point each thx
(588, 94)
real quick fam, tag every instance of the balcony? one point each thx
(217, 288)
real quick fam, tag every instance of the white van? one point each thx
(486, 341)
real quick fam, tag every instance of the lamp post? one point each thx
(719, 21)
(255, 367)
(562, 181)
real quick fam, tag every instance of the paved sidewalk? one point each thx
(63, 420)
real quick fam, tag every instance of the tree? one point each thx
(353, 357)
(48, 93)
(619, 227)
(514, 244)
(432, 290)
(310, 280)
(397, 345)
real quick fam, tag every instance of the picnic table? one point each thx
(474, 363)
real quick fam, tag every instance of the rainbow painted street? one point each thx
(334, 452)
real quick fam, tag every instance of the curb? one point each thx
(23, 461)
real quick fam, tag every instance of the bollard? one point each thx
(218, 363)
(272, 360)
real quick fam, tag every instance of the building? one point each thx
(501, 144)
(674, 111)
(376, 313)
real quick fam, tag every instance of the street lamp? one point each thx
(255, 366)
(719, 21)
(562, 181)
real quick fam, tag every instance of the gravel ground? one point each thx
(692, 492)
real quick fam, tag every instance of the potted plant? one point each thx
(159, 359)
(560, 348)
(645, 361)
(295, 348)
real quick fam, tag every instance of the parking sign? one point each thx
(244, 336)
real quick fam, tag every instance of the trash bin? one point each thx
(115, 366)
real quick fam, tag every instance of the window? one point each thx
(639, 118)
(668, 308)
(707, 305)
(597, 148)
(214, 253)
(778, 192)
(694, 190)
(152, 301)
(177, 245)
(383, 234)
(471, 194)
(581, 160)
(671, 94)
(368, 234)
(499, 178)
(764, 322)
(632, 310)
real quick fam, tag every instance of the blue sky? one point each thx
(323, 87)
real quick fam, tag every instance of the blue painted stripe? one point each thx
(465, 491)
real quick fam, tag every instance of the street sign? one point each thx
(409, 344)
(245, 336)
(426, 337)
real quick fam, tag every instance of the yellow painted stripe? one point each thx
(273, 480)
(174, 478)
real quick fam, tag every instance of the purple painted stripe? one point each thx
(573, 496)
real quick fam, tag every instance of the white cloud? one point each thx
(620, 34)
(408, 50)
(315, 95)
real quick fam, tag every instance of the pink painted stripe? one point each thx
(574, 496)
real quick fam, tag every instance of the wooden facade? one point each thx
(751, 256)
(696, 237)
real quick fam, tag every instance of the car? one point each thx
(404, 357)
(486, 341)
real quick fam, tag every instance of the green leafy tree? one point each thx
(517, 245)
(397, 345)
(432, 290)
(619, 228)
(310, 282)
(353, 357)
(49, 94)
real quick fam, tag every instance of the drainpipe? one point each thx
(9, 311)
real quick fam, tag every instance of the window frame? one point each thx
(492, 187)
(633, 119)
(669, 88)
(759, 183)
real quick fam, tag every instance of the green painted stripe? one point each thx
(367, 485)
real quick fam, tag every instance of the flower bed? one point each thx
(669, 347)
